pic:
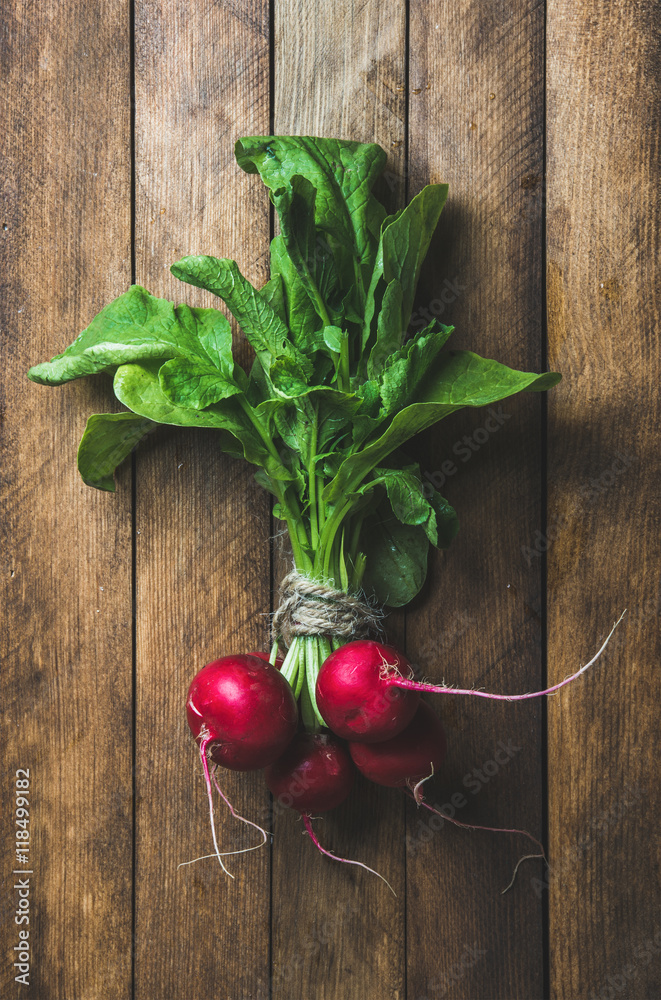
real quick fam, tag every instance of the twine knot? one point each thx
(308, 607)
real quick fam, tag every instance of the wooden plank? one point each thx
(603, 551)
(203, 575)
(340, 71)
(66, 582)
(476, 115)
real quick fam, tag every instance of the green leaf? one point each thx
(396, 556)
(408, 366)
(405, 239)
(295, 206)
(108, 439)
(137, 327)
(273, 292)
(333, 338)
(411, 505)
(262, 326)
(138, 387)
(458, 379)
(301, 316)
(444, 526)
(342, 174)
(193, 384)
(390, 330)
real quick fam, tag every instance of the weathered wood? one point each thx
(202, 524)
(604, 555)
(66, 581)
(476, 115)
(337, 931)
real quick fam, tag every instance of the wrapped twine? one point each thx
(311, 608)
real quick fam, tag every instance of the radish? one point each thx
(407, 758)
(361, 690)
(314, 774)
(242, 713)
(243, 710)
(410, 759)
(354, 697)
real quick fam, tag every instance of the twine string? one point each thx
(308, 607)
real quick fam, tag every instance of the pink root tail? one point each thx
(408, 685)
(235, 814)
(204, 743)
(345, 861)
(417, 798)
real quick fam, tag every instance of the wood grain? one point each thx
(293, 925)
(476, 115)
(202, 570)
(66, 584)
(603, 552)
(338, 934)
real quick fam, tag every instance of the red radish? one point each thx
(407, 758)
(243, 713)
(313, 775)
(243, 709)
(356, 697)
(413, 756)
(361, 690)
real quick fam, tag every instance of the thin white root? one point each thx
(526, 857)
(417, 789)
(236, 815)
(205, 766)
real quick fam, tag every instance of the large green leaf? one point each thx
(396, 558)
(405, 239)
(137, 386)
(194, 384)
(108, 439)
(458, 379)
(138, 326)
(409, 365)
(263, 328)
(314, 269)
(415, 503)
(301, 315)
(342, 174)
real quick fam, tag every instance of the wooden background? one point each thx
(119, 124)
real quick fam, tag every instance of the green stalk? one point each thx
(344, 375)
(313, 661)
(312, 473)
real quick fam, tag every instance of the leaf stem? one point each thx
(312, 479)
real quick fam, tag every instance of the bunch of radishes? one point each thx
(243, 715)
(342, 378)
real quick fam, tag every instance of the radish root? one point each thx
(204, 743)
(490, 829)
(236, 815)
(345, 861)
(440, 689)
